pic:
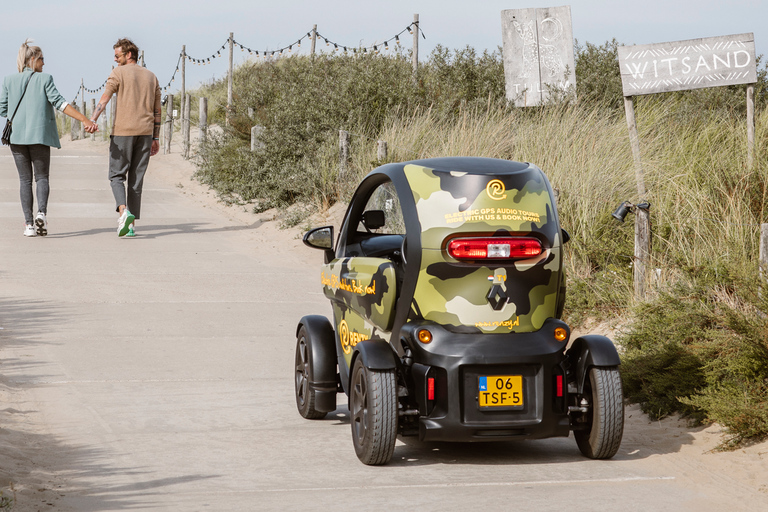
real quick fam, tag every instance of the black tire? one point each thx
(373, 413)
(602, 438)
(305, 397)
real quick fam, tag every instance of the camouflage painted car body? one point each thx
(451, 204)
(442, 199)
(362, 291)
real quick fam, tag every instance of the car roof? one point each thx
(473, 164)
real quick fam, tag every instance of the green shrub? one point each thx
(7, 502)
(657, 378)
(659, 364)
(598, 78)
(700, 352)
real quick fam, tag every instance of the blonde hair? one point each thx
(28, 55)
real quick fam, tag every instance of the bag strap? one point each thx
(22, 96)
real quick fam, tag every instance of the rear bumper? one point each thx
(455, 362)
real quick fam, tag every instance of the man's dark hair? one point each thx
(128, 47)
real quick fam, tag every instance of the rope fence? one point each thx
(312, 35)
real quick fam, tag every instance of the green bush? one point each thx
(659, 365)
(598, 78)
(302, 103)
(698, 352)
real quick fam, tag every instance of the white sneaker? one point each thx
(41, 224)
(29, 230)
(124, 222)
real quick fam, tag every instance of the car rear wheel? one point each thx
(305, 396)
(605, 422)
(373, 413)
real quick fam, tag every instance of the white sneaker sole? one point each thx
(40, 227)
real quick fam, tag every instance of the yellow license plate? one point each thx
(500, 391)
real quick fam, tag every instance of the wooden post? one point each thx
(183, 82)
(314, 39)
(168, 124)
(381, 150)
(642, 251)
(343, 152)
(230, 77)
(93, 109)
(75, 126)
(203, 123)
(256, 144)
(113, 109)
(184, 131)
(103, 127)
(415, 55)
(750, 126)
(185, 126)
(642, 219)
(82, 126)
(763, 256)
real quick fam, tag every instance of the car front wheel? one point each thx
(305, 395)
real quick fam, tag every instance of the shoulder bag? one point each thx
(7, 130)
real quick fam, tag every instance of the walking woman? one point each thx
(32, 95)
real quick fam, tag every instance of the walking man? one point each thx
(135, 131)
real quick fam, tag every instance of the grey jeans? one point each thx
(128, 161)
(32, 158)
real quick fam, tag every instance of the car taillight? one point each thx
(503, 248)
(430, 388)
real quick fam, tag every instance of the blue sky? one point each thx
(77, 35)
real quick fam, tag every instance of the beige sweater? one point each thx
(138, 98)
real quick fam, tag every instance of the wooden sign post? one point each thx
(679, 66)
(230, 77)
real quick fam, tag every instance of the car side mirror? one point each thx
(566, 236)
(321, 238)
(373, 219)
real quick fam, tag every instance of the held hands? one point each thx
(91, 127)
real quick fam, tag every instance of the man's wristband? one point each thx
(155, 138)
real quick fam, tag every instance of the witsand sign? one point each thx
(691, 64)
(679, 66)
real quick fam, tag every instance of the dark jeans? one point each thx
(128, 161)
(32, 158)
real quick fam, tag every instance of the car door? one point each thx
(362, 281)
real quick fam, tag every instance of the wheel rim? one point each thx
(360, 405)
(302, 376)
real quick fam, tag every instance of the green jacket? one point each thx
(35, 121)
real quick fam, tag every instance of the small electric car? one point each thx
(447, 288)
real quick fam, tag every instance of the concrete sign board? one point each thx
(691, 64)
(537, 53)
